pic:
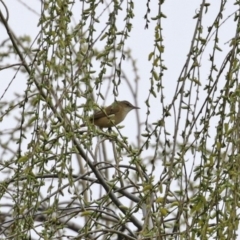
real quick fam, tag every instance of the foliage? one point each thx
(177, 179)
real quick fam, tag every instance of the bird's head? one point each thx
(126, 106)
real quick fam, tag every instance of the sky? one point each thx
(177, 32)
(178, 27)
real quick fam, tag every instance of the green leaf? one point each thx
(23, 159)
(155, 75)
(150, 56)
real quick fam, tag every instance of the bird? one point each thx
(112, 115)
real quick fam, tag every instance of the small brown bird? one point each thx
(111, 115)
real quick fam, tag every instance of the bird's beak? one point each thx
(135, 107)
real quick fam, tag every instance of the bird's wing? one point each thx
(105, 112)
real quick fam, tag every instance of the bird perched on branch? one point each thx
(112, 115)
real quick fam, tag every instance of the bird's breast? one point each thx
(110, 120)
(105, 122)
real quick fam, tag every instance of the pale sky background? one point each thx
(178, 29)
